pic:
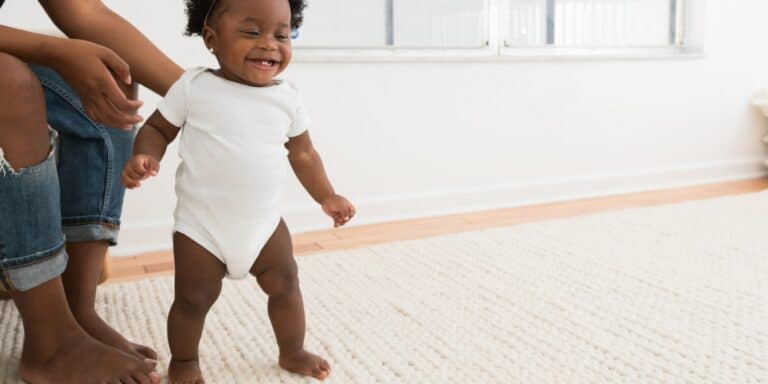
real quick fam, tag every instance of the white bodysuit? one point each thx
(234, 162)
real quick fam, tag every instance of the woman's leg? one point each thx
(90, 155)
(54, 344)
(86, 263)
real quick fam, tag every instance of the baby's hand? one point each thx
(138, 169)
(338, 208)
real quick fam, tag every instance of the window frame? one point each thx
(496, 48)
(389, 36)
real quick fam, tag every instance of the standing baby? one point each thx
(240, 128)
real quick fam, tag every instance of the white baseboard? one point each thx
(154, 236)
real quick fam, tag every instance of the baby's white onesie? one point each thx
(234, 162)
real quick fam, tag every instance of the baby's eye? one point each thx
(252, 33)
(283, 37)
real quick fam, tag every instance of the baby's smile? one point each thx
(264, 64)
(251, 40)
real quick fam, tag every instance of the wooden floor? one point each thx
(161, 263)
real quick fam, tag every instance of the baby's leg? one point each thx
(197, 286)
(276, 271)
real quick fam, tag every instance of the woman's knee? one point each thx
(23, 126)
(20, 90)
(280, 280)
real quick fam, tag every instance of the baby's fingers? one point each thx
(135, 170)
(128, 181)
(340, 220)
(348, 211)
(152, 167)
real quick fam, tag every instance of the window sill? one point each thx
(363, 55)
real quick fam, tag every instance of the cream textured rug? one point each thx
(675, 294)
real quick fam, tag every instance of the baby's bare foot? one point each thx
(185, 372)
(305, 363)
(85, 360)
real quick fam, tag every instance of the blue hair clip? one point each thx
(294, 33)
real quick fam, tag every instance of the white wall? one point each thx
(408, 139)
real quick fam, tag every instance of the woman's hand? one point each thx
(138, 169)
(94, 72)
(339, 209)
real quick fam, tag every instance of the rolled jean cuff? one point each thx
(81, 233)
(31, 241)
(24, 277)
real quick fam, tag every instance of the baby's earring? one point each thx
(210, 50)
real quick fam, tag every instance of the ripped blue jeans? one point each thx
(74, 195)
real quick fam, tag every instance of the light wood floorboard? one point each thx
(161, 263)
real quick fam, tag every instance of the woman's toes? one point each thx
(147, 352)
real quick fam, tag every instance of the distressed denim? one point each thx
(75, 195)
(31, 240)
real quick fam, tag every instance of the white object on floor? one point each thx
(761, 101)
(674, 294)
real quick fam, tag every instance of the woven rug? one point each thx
(673, 294)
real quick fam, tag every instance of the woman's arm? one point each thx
(91, 20)
(30, 47)
(92, 70)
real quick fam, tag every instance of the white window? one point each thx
(488, 28)
(592, 23)
(343, 24)
(440, 23)
(394, 23)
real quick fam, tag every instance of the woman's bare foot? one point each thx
(101, 331)
(84, 269)
(305, 363)
(85, 360)
(185, 372)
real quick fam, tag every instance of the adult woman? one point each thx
(60, 194)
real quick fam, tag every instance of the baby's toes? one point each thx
(322, 370)
(324, 366)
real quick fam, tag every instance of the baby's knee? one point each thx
(280, 280)
(197, 299)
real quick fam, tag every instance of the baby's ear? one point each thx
(209, 38)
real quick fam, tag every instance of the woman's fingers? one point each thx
(101, 110)
(119, 117)
(117, 65)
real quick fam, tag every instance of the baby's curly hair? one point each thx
(197, 9)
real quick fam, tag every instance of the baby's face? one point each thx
(251, 39)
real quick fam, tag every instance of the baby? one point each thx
(240, 128)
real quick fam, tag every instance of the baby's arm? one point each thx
(149, 148)
(308, 166)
